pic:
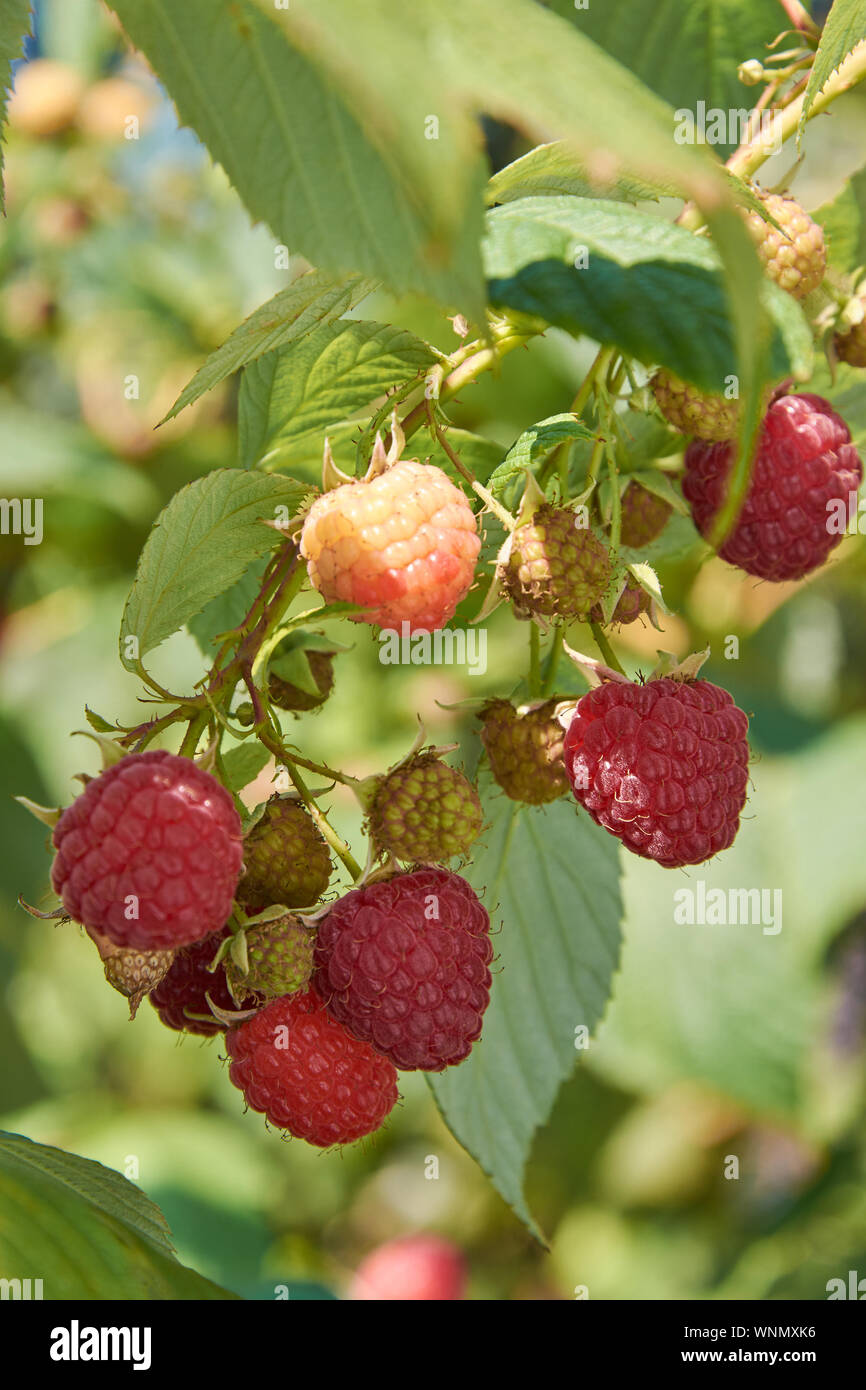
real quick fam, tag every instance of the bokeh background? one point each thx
(125, 258)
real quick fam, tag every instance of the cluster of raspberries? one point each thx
(150, 858)
(323, 1004)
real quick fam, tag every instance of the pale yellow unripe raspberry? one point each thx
(403, 545)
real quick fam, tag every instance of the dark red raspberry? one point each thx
(180, 995)
(404, 964)
(150, 853)
(662, 766)
(308, 1075)
(804, 464)
(411, 1268)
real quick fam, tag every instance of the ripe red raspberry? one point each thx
(149, 854)
(404, 964)
(692, 411)
(794, 257)
(411, 1268)
(662, 766)
(286, 859)
(179, 998)
(308, 1075)
(555, 566)
(403, 545)
(805, 462)
(643, 516)
(524, 749)
(425, 810)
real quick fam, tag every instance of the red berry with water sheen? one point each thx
(662, 766)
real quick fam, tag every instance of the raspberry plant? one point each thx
(357, 505)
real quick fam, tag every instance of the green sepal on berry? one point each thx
(301, 671)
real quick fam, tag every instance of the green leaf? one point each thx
(650, 287)
(241, 765)
(227, 610)
(554, 169)
(844, 223)
(85, 1231)
(395, 74)
(290, 397)
(731, 1006)
(552, 878)
(309, 301)
(14, 26)
(506, 481)
(200, 545)
(687, 51)
(316, 171)
(643, 438)
(844, 29)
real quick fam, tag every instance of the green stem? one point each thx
(534, 660)
(799, 17)
(487, 497)
(194, 732)
(336, 841)
(754, 152)
(322, 770)
(595, 462)
(615, 507)
(601, 362)
(551, 665)
(473, 366)
(605, 648)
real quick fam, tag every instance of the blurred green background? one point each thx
(127, 259)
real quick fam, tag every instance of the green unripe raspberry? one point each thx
(851, 346)
(794, 257)
(425, 811)
(287, 696)
(643, 516)
(556, 567)
(632, 602)
(286, 858)
(525, 751)
(695, 412)
(279, 959)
